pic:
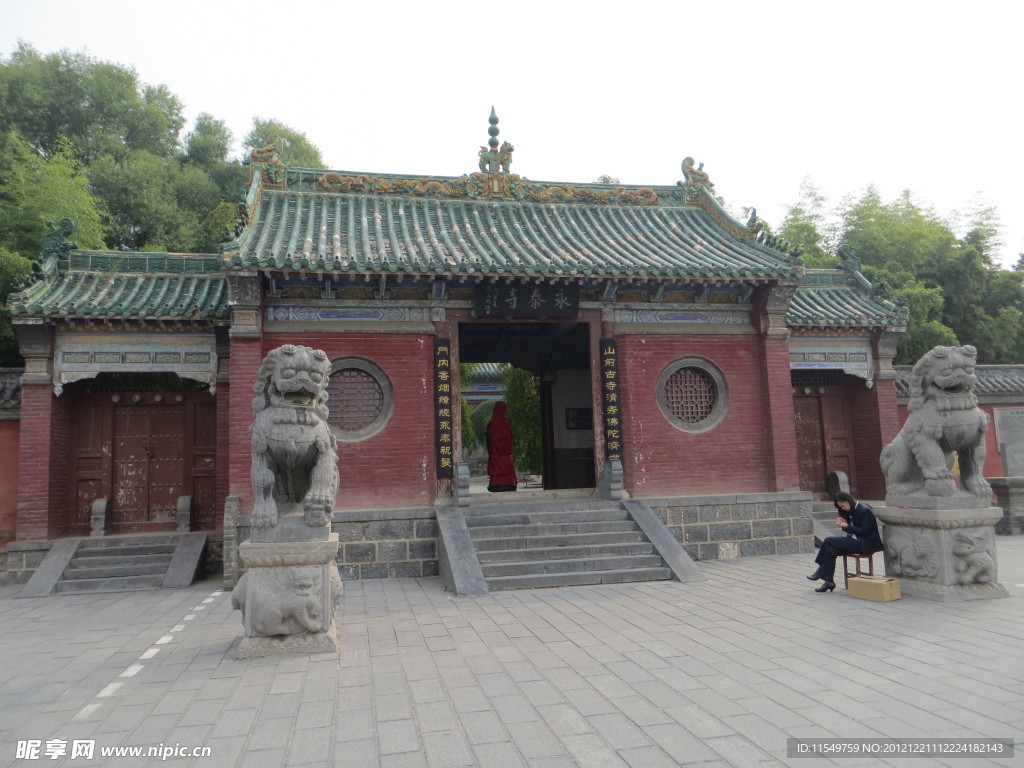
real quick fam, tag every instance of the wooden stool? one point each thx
(858, 559)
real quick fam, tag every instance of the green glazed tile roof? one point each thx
(826, 298)
(127, 285)
(377, 233)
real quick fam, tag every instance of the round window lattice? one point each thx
(359, 399)
(692, 395)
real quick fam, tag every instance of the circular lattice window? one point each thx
(692, 395)
(359, 399)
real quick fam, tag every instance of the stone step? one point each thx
(572, 565)
(510, 505)
(565, 552)
(134, 539)
(562, 540)
(112, 583)
(581, 578)
(151, 569)
(114, 558)
(550, 529)
(546, 517)
(125, 550)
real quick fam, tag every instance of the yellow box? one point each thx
(881, 589)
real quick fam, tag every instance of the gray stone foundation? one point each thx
(373, 544)
(739, 525)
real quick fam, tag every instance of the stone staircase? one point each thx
(562, 542)
(118, 563)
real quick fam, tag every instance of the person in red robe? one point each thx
(499, 452)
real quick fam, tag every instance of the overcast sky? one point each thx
(900, 94)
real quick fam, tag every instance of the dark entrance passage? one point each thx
(558, 356)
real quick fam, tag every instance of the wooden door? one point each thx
(148, 465)
(810, 443)
(142, 455)
(838, 432)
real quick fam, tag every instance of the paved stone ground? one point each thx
(646, 676)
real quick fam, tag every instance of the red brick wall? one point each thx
(395, 467)
(9, 441)
(42, 488)
(733, 457)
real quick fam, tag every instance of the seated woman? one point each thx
(857, 519)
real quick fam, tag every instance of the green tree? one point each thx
(804, 227)
(522, 395)
(209, 142)
(35, 189)
(470, 436)
(298, 151)
(481, 416)
(102, 108)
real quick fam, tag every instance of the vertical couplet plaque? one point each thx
(443, 407)
(610, 400)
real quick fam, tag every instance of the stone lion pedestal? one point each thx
(942, 548)
(290, 591)
(939, 538)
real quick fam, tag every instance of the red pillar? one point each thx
(781, 418)
(43, 458)
(246, 356)
(875, 424)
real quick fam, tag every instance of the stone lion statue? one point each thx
(945, 423)
(294, 458)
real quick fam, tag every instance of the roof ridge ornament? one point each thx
(269, 157)
(696, 177)
(495, 159)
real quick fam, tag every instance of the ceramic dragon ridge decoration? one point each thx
(945, 422)
(294, 458)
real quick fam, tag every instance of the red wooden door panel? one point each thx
(810, 448)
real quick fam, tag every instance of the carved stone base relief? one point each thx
(942, 554)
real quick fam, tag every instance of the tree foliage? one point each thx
(298, 151)
(949, 282)
(804, 227)
(522, 395)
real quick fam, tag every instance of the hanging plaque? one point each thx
(524, 299)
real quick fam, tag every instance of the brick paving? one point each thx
(718, 673)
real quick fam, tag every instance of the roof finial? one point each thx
(493, 130)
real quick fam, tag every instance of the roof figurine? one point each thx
(269, 157)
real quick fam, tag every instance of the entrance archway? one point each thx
(557, 354)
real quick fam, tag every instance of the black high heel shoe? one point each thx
(815, 576)
(828, 586)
